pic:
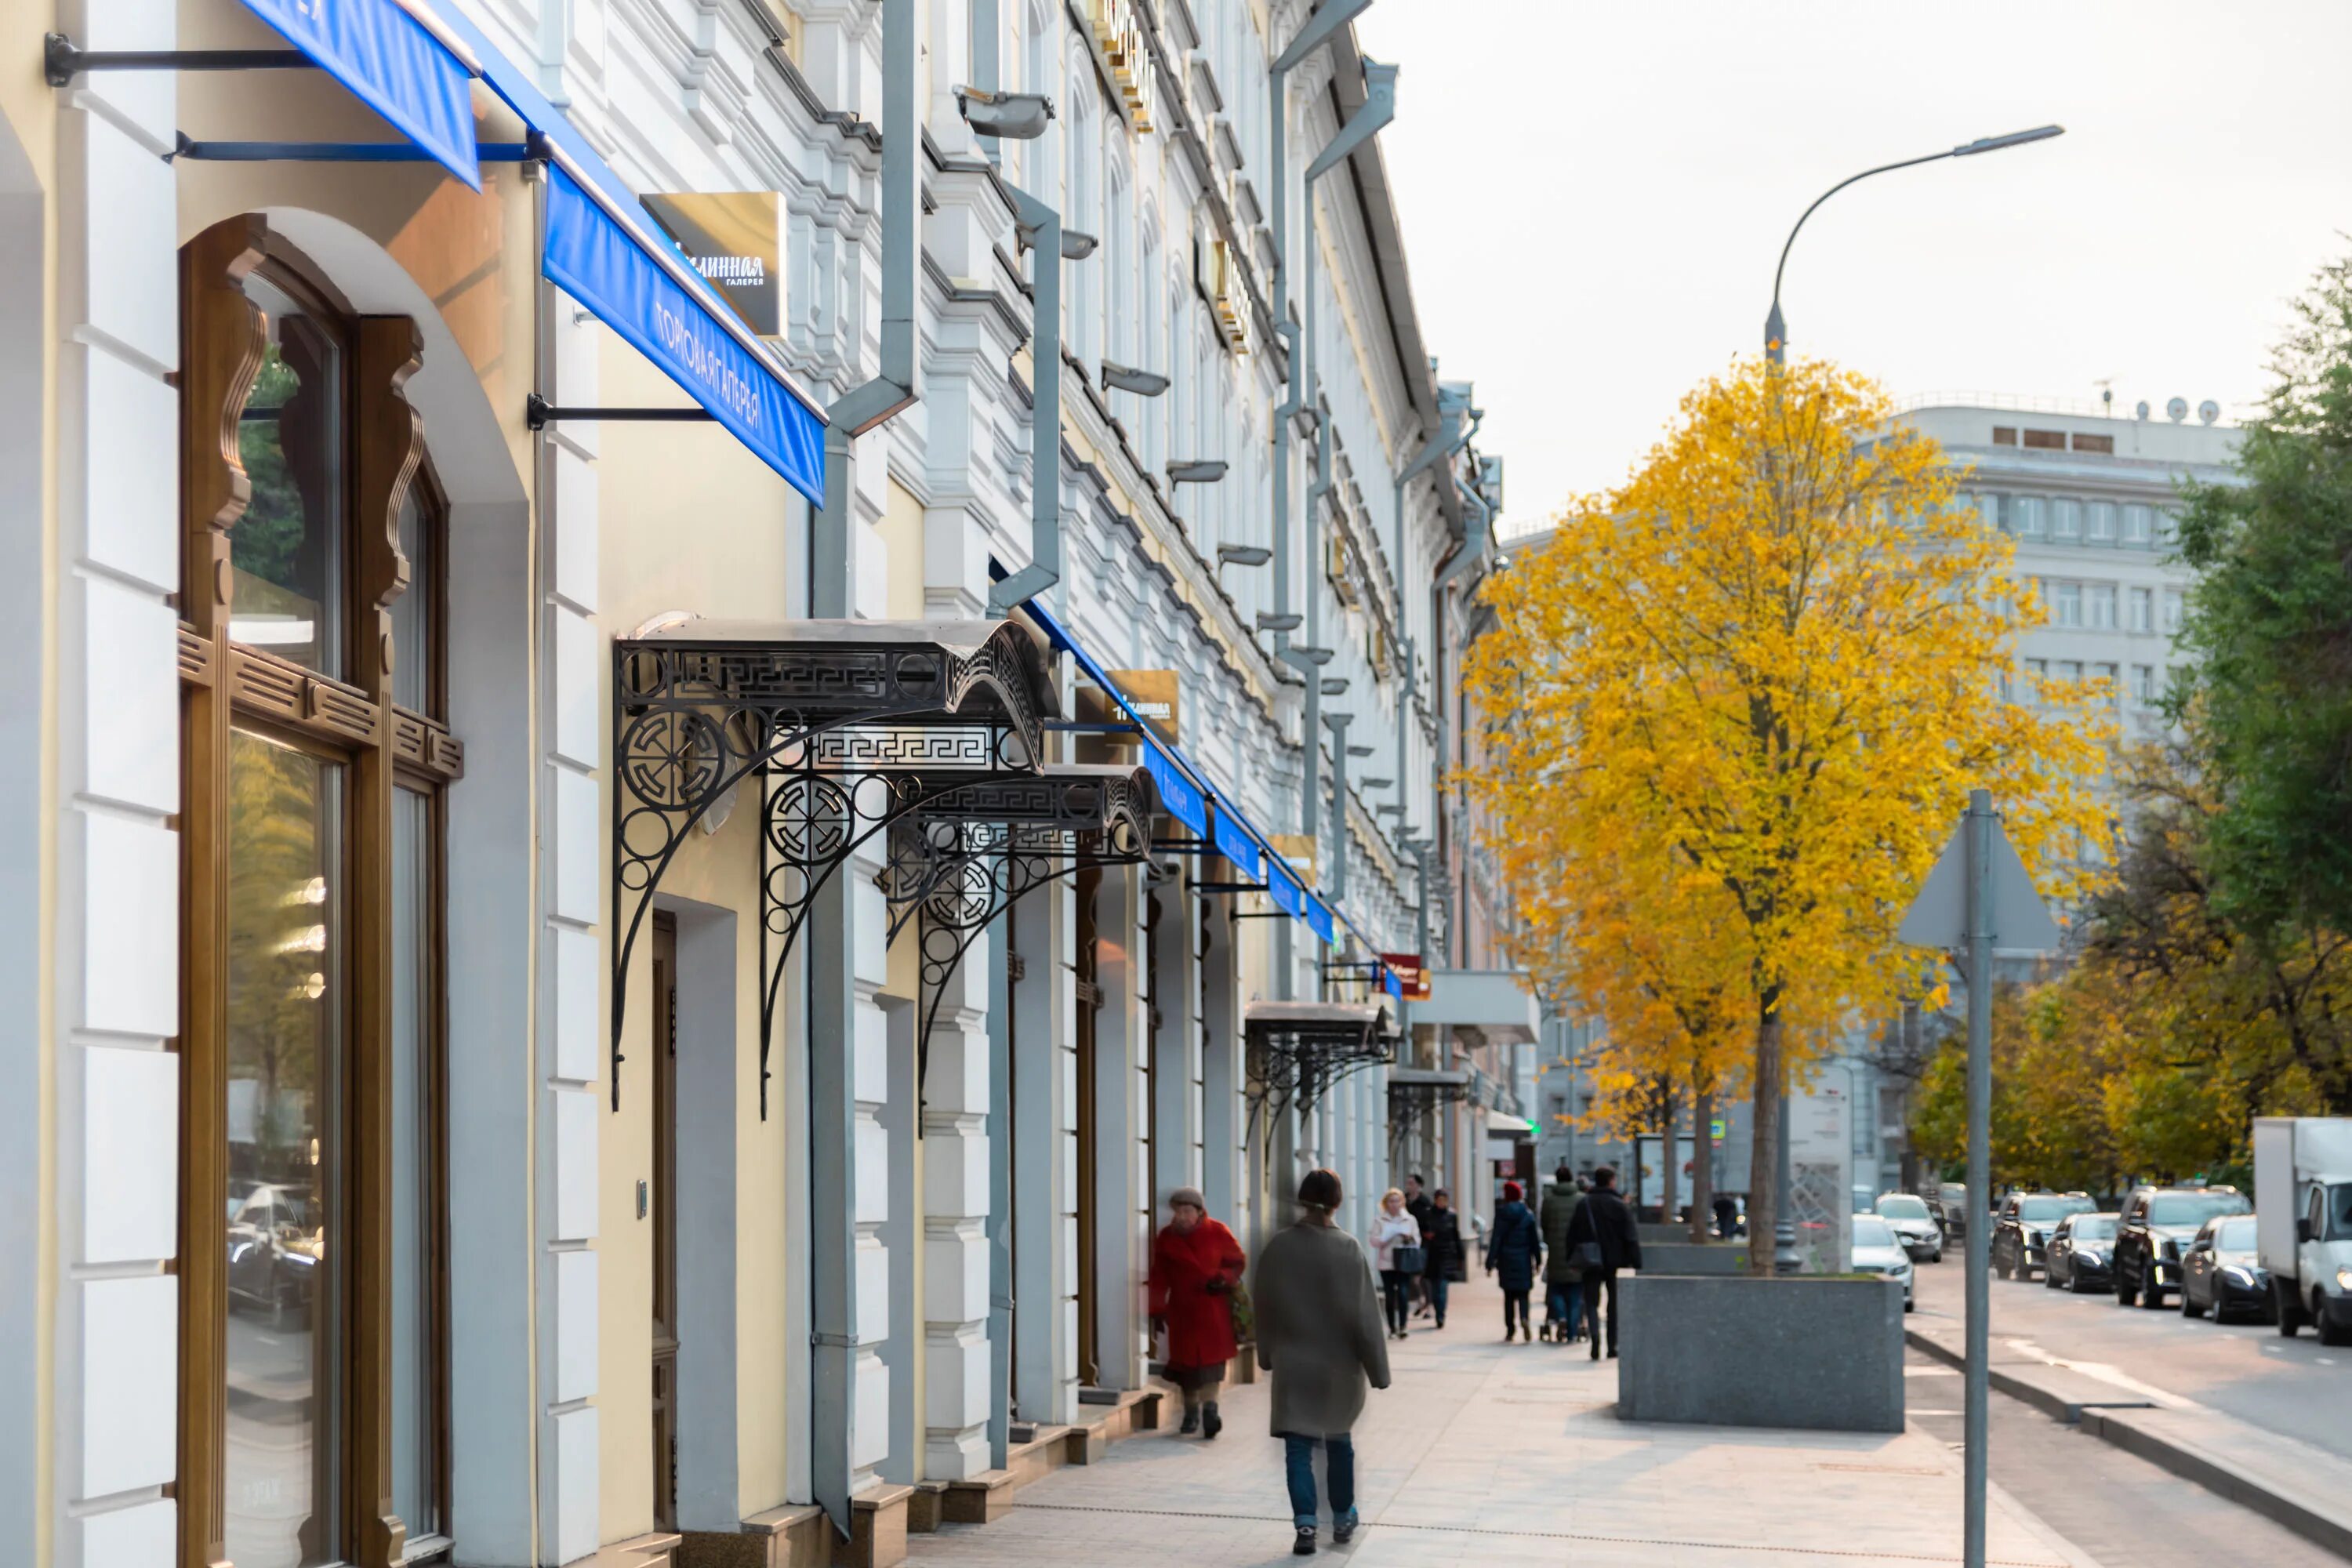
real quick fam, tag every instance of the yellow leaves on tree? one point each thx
(1735, 709)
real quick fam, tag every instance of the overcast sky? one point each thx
(1593, 196)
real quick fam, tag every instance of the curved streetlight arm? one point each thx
(1775, 332)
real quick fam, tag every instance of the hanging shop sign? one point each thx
(1152, 694)
(1411, 973)
(734, 239)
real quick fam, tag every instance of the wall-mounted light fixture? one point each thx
(1278, 621)
(1314, 656)
(1335, 686)
(1391, 809)
(1374, 783)
(1127, 378)
(1196, 472)
(1359, 751)
(1244, 555)
(1078, 247)
(1020, 116)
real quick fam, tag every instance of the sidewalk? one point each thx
(1497, 1455)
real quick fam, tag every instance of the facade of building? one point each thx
(626, 909)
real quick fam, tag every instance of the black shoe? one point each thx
(1304, 1546)
(1192, 1420)
(1344, 1530)
(1210, 1422)
(1596, 1350)
(1613, 1353)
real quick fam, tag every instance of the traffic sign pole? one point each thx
(1981, 826)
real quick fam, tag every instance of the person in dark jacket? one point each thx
(1726, 1215)
(1512, 1251)
(1417, 1204)
(1441, 1250)
(1563, 1303)
(1605, 1224)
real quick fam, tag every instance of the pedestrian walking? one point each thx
(1443, 1261)
(1397, 1253)
(1726, 1215)
(1512, 1251)
(1604, 1238)
(1563, 1302)
(1417, 1204)
(1195, 1266)
(1318, 1332)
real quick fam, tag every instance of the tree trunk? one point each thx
(1702, 1161)
(1764, 1195)
(1672, 1185)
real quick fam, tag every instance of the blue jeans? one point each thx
(1339, 1469)
(1436, 1282)
(1566, 1305)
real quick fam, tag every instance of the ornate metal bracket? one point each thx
(1297, 1050)
(701, 707)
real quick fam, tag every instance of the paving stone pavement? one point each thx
(1503, 1455)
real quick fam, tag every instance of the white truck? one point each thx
(2303, 1221)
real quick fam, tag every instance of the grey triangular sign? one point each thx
(1938, 916)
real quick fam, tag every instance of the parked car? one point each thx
(2303, 1174)
(2077, 1253)
(1876, 1250)
(2221, 1272)
(2156, 1225)
(1914, 1224)
(273, 1250)
(1951, 1201)
(2023, 1229)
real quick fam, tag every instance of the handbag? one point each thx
(1586, 1255)
(1237, 1298)
(1407, 1257)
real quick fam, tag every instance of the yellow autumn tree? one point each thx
(1772, 665)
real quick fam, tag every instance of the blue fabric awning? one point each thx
(1180, 797)
(603, 248)
(1234, 842)
(395, 64)
(593, 259)
(1319, 920)
(1283, 890)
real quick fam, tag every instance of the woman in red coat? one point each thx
(1195, 1263)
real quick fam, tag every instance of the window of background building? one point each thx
(2004, 435)
(2046, 440)
(2144, 683)
(2167, 526)
(2108, 676)
(2065, 603)
(2171, 610)
(2139, 524)
(2100, 602)
(1988, 509)
(2106, 444)
(2143, 610)
(2025, 516)
(312, 936)
(2070, 670)
(2036, 672)
(2066, 518)
(2099, 522)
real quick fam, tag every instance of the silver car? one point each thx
(1876, 1251)
(1914, 1224)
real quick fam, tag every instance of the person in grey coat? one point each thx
(1320, 1332)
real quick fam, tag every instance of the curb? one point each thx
(2135, 1425)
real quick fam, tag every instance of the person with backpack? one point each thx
(1564, 1302)
(1443, 1259)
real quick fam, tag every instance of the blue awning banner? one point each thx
(1285, 891)
(1318, 921)
(1180, 797)
(393, 63)
(1234, 842)
(594, 258)
(1395, 986)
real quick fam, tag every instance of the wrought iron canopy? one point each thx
(1298, 1050)
(1416, 1090)
(809, 709)
(953, 871)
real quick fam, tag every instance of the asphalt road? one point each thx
(2120, 1509)
(2296, 1387)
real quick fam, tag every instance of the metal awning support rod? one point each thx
(539, 412)
(336, 152)
(1229, 887)
(62, 59)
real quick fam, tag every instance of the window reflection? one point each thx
(414, 612)
(286, 1001)
(287, 548)
(416, 1311)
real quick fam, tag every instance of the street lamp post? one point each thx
(1774, 331)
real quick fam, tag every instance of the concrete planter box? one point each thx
(1822, 1354)
(1713, 1258)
